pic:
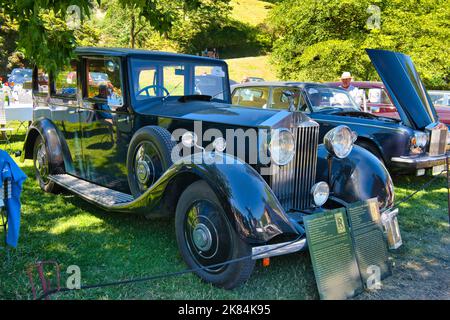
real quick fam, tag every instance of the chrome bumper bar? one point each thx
(278, 249)
(420, 162)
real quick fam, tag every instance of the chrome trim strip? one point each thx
(419, 159)
(276, 118)
(271, 249)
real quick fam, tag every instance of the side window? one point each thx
(41, 82)
(105, 81)
(254, 97)
(66, 81)
(281, 97)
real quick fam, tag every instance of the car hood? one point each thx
(405, 87)
(214, 112)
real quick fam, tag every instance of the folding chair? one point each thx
(5, 132)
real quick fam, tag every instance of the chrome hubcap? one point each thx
(142, 171)
(144, 168)
(202, 237)
(41, 161)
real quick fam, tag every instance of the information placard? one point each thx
(369, 243)
(332, 254)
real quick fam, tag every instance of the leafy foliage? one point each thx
(317, 40)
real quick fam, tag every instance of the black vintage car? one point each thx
(140, 140)
(411, 144)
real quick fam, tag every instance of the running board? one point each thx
(90, 191)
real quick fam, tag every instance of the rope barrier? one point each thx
(49, 293)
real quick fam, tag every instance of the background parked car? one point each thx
(20, 75)
(404, 145)
(378, 101)
(440, 98)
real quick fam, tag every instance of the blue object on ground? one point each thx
(10, 170)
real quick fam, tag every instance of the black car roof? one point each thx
(125, 52)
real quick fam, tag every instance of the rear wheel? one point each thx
(42, 167)
(206, 238)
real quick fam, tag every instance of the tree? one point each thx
(46, 38)
(317, 40)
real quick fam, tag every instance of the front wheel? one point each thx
(42, 167)
(206, 238)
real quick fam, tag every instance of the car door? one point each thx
(105, 122)
(64, 109)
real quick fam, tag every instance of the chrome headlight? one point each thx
(320, 193)
(282, 147)
(419, 140)
(339, 141)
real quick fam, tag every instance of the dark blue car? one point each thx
(117, 142)
(413, 143)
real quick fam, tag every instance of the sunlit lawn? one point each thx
(109, 247)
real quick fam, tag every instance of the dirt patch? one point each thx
(425, 276)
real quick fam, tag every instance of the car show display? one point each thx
(140, 140)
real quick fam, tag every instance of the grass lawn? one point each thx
(239, 68)
(253, 12)
(109, 247)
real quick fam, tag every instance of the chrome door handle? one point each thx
(126, 119)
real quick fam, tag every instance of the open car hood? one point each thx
(405, 87)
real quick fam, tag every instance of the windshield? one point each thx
(156, 79)
(322, 98)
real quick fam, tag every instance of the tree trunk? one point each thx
(133, 36)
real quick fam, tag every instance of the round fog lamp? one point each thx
(320, 192)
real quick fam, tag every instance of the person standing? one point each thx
(346, 84)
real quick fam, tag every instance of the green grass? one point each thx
(109, 247)
(240, 68)
(253, 12)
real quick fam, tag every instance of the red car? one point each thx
(376, 100)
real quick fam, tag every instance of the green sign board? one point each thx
(369, 243)
(332, 254)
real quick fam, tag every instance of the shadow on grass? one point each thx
(123, 246)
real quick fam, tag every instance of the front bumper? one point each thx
(420, 161)
(278, 249)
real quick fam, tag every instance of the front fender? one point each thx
(251, 206)
(360, 176)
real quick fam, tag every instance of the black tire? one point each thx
(42, 166)
(371, 148)
(157, 145)
(225, 243)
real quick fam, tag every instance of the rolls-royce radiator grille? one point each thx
(438, 141)
(293, 182)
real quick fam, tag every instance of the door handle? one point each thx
(126, 119)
